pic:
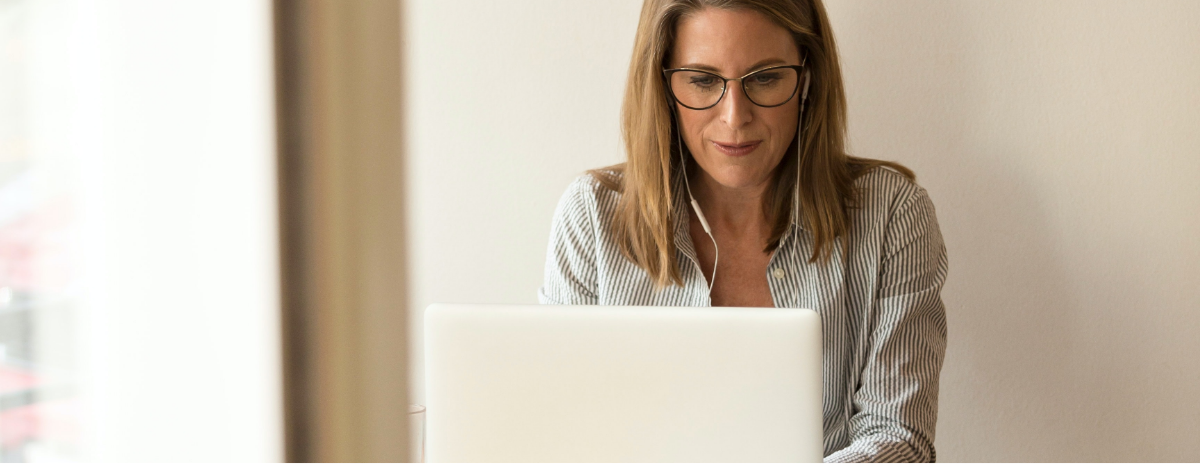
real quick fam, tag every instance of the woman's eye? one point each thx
(703, 81)
(765, 79)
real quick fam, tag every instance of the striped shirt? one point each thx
(882, 317)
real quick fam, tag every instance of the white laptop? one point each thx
(622, 384)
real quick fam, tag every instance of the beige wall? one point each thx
(1060, 142)
(507, 102)
(1057, 139)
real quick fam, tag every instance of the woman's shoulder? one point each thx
(607, 180)
(884, 189)
(892, 212)
(591, 194)
(595, 183)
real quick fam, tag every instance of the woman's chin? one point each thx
(737, 178)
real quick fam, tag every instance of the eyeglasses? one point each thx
(701, 90)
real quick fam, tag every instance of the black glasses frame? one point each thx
(725, 84)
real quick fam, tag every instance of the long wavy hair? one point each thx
(643, 223)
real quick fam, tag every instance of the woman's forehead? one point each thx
(731, 41)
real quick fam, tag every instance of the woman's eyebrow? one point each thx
(765, 63)
(758, 65)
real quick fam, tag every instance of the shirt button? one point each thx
(778, 273)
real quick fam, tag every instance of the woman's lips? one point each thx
(740, 149)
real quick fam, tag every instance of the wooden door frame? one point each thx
(341, 214)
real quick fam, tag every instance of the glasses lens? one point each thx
(696, 89)
(771, 87)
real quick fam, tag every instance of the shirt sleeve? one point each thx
(895, 402)
(570, 276)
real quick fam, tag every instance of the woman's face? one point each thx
(736, 143)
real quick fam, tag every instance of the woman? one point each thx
(737, 191)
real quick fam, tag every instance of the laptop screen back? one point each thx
(622, 384)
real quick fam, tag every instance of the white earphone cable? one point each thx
(800, 141)
(696, 206)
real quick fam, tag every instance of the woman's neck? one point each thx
(737, 211)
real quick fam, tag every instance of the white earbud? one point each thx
(804, 92)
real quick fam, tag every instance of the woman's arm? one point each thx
(570, 277)
(895, 404)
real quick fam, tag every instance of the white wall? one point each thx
(1057, 139)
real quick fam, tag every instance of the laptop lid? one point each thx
(622, 384)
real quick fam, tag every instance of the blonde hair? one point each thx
(643, 223)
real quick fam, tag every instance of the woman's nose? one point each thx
(736, 109)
